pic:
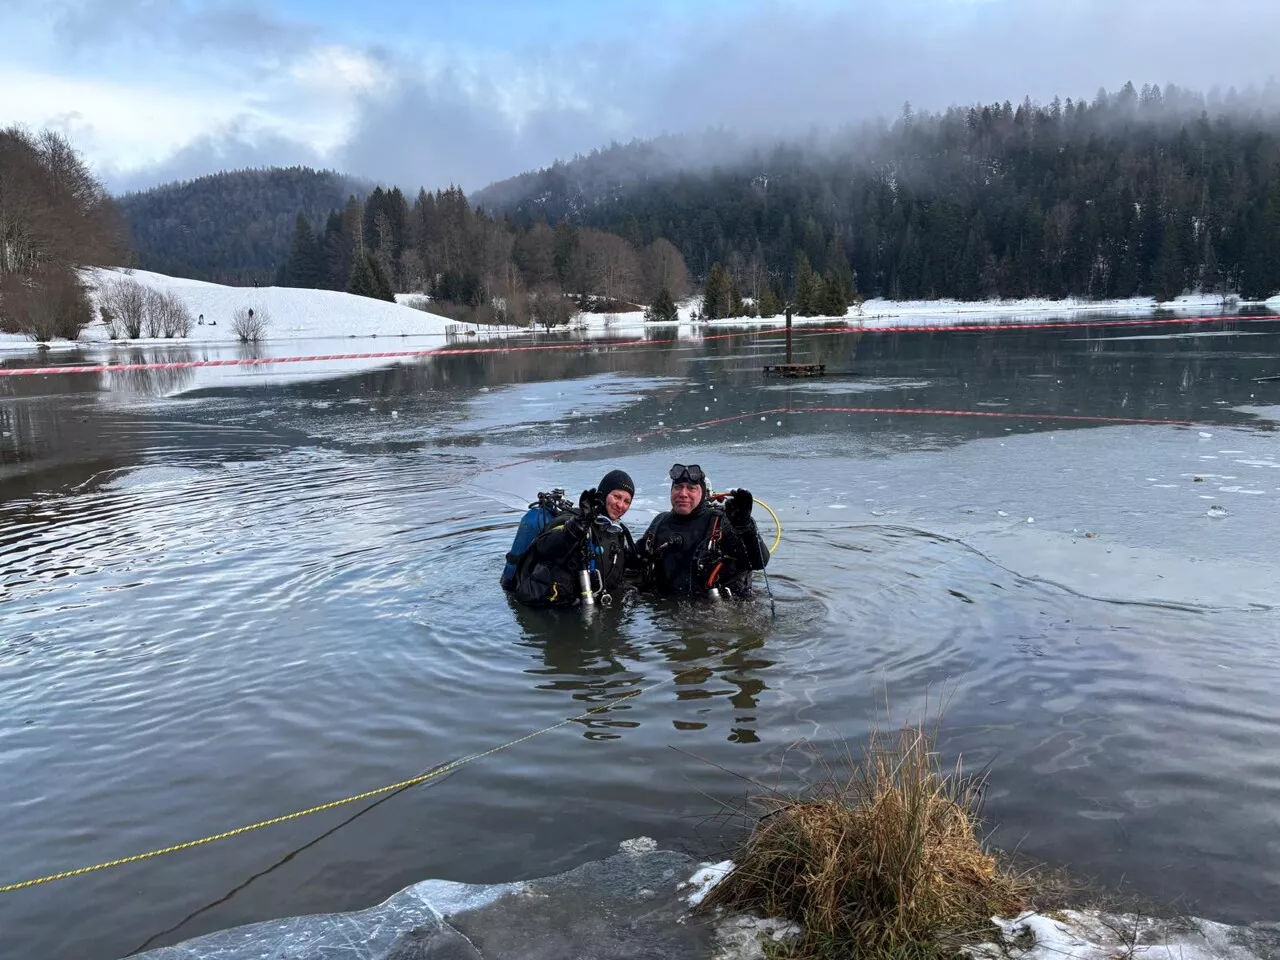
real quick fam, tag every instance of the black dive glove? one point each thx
(649, 550)
(590, 503)
(738, 508)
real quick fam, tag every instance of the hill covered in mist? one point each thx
(1147, 192)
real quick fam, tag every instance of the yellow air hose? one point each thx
(777, 524)
(777, 539)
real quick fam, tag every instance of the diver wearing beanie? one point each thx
(591, 536)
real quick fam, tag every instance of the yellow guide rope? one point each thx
(412, 781)
(355, 798)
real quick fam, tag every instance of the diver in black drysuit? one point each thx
(548, 574)
(687, 554)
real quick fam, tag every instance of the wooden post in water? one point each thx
(788, 334)
(791, 368)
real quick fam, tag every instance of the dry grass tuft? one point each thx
(882, 862)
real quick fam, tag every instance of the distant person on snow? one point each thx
(701, 548)
(556, 542)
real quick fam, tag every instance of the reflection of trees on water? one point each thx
(43, 420)
(1080, 370)
(150, 383)
(599, 663)
(162, 382)
(1085, 369)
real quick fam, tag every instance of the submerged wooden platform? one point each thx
(795, 369)
(790, 369)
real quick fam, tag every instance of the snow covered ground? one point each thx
(294, 314)
(298, 314)
(887, 313)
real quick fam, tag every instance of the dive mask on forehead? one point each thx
(680, 473)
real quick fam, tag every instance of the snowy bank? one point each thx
(302, 314)
(878, 313)
(295, 314)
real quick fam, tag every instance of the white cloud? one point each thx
(439, 111)
(115, 124)
(333, 69)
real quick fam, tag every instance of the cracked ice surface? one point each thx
(605, 909)
(406, 926)
(1072, 935)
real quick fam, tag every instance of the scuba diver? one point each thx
(577, 555)
(701, 548)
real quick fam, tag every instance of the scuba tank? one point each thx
(541, 512)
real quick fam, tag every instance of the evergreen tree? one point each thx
(335, 253)
(717, 301)
(1211, 280)
(564, 248)
(305, 266)
(663, 309)
(769, 306)
(838, 263)
(381, 283)
(833, 301)
(808, 289)
(363, 282)
(1167, 280)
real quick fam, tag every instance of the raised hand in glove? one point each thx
(590, 503)
(738, 507)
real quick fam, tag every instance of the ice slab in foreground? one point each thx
(1069, 935)
(636, 904)
(629, 905)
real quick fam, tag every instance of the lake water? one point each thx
(234, 593)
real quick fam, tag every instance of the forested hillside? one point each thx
(1148, 192)
(232, 227)
(1153, 192)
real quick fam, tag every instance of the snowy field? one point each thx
(295, 314)
(298, 314)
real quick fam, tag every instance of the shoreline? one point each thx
(643, 896)
(333, 315)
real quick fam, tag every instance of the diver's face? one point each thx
(616, 504)
(685, 498)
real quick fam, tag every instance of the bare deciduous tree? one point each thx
(126, 300)
(52, 209)
(249, 323)
(606, 265)
(167, 315)
(54, 217)
(548, 307)
(49, 302)
(152, 313)
(534, 254)
(662, 265)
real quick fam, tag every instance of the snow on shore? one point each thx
(300, 314)
(295, 314)
(891, 313)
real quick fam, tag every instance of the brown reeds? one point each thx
(884, 861)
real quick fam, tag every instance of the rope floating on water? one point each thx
(320, 808)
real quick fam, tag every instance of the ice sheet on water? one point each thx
(1100, 936)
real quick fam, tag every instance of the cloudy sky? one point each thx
(429, 92)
